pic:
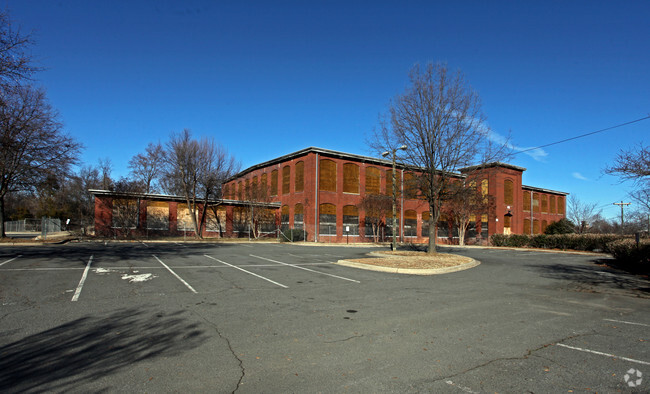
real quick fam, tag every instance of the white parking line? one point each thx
(306, 269)
(9, 261)
(175, 274)
(462, 388)
(604, 354)
(248, 272)
(628, 322)
(77, 292)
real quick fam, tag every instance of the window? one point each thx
(225, 191)
(389, 224)
(286, 179)
(298, 216)
(351, 219)
(526, 201)
(264, 182)
(443, 227)
(389, 182)
(299, 181)
(506, 221)
(535, 226)
(485, 189)
(410, 187)
(274, 182)
(284, 218)
(216, 223)
(426, 216)
(125, 214)
(552, 203)
(560, 205)
(240, 191)
(410, 223)
(350, 178)
(536, 207)
(240, 220)
(158, 215)
(327, 175)
(484, 225)
(527, 226)
(544, 225)
(373, 178)
(508, 192)
(183, 218)
(327, 219)
(544, 203)
(471, 228)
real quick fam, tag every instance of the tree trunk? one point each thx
(433, 230)
(2, 217)
(461, 233)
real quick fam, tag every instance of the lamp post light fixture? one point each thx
(393, 246)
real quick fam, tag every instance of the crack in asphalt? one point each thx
(346, 339)
(528, 354)
(232, 351)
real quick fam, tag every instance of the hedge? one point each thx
(586, 242)
(628, 256)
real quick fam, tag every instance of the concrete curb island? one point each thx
(410, 271)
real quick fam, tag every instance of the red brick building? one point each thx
(318, 192)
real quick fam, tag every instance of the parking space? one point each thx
(279, 317)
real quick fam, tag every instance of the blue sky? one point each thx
(271, 77)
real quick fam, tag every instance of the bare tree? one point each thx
(105, 166)
(376, 208)
(147, 167)
(195, 169)
(33, 144)
(16, 64)
(439, 119)
(466, 201)
(582, 214)
(633, 164)
(258, 216)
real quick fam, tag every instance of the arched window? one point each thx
(327, 175)
(560, 205)
(274, 182)
(535, 226)
(299, 181)
(410, 223)
(388, 174)
(240, 191)
(327, 219)
(536, 205)
(485, 189)
(426, 216)
(508, 192)
(350, 178)
(544, 204)
(351, 219)
(526, 200)
(286, 179)
(526, 226)
(552, 204)
(284, 218)
(298, 216)
(373, 178)
(410, 187)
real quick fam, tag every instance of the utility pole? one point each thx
(622, 205)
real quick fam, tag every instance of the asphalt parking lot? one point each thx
(171, 317)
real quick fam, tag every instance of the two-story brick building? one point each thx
(319, 192)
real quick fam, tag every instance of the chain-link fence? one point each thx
(48, 225)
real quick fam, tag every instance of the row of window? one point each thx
(543, 203)
(125, 216)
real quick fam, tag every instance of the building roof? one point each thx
(539, 189)
(166, 197)
(492, 165)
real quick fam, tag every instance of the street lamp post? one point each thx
(393, 246)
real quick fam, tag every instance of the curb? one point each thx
(410, 271)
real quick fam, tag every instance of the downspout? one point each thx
(401, 209)
(316, 203)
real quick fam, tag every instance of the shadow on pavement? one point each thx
(596, 278)
(90, 348)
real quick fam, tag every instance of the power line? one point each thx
(583, 135)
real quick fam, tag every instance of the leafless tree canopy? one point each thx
(195, 169)
(16, 64)
(466, 200)
(439, 119)
(582, 214)
(634, 165)
(147, 167)
(377, 207)
(33, 144)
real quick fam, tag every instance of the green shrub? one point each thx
(586, 242)
(630, 257)
(292, 235)
(562, 226)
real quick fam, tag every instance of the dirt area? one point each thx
(403, 259)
